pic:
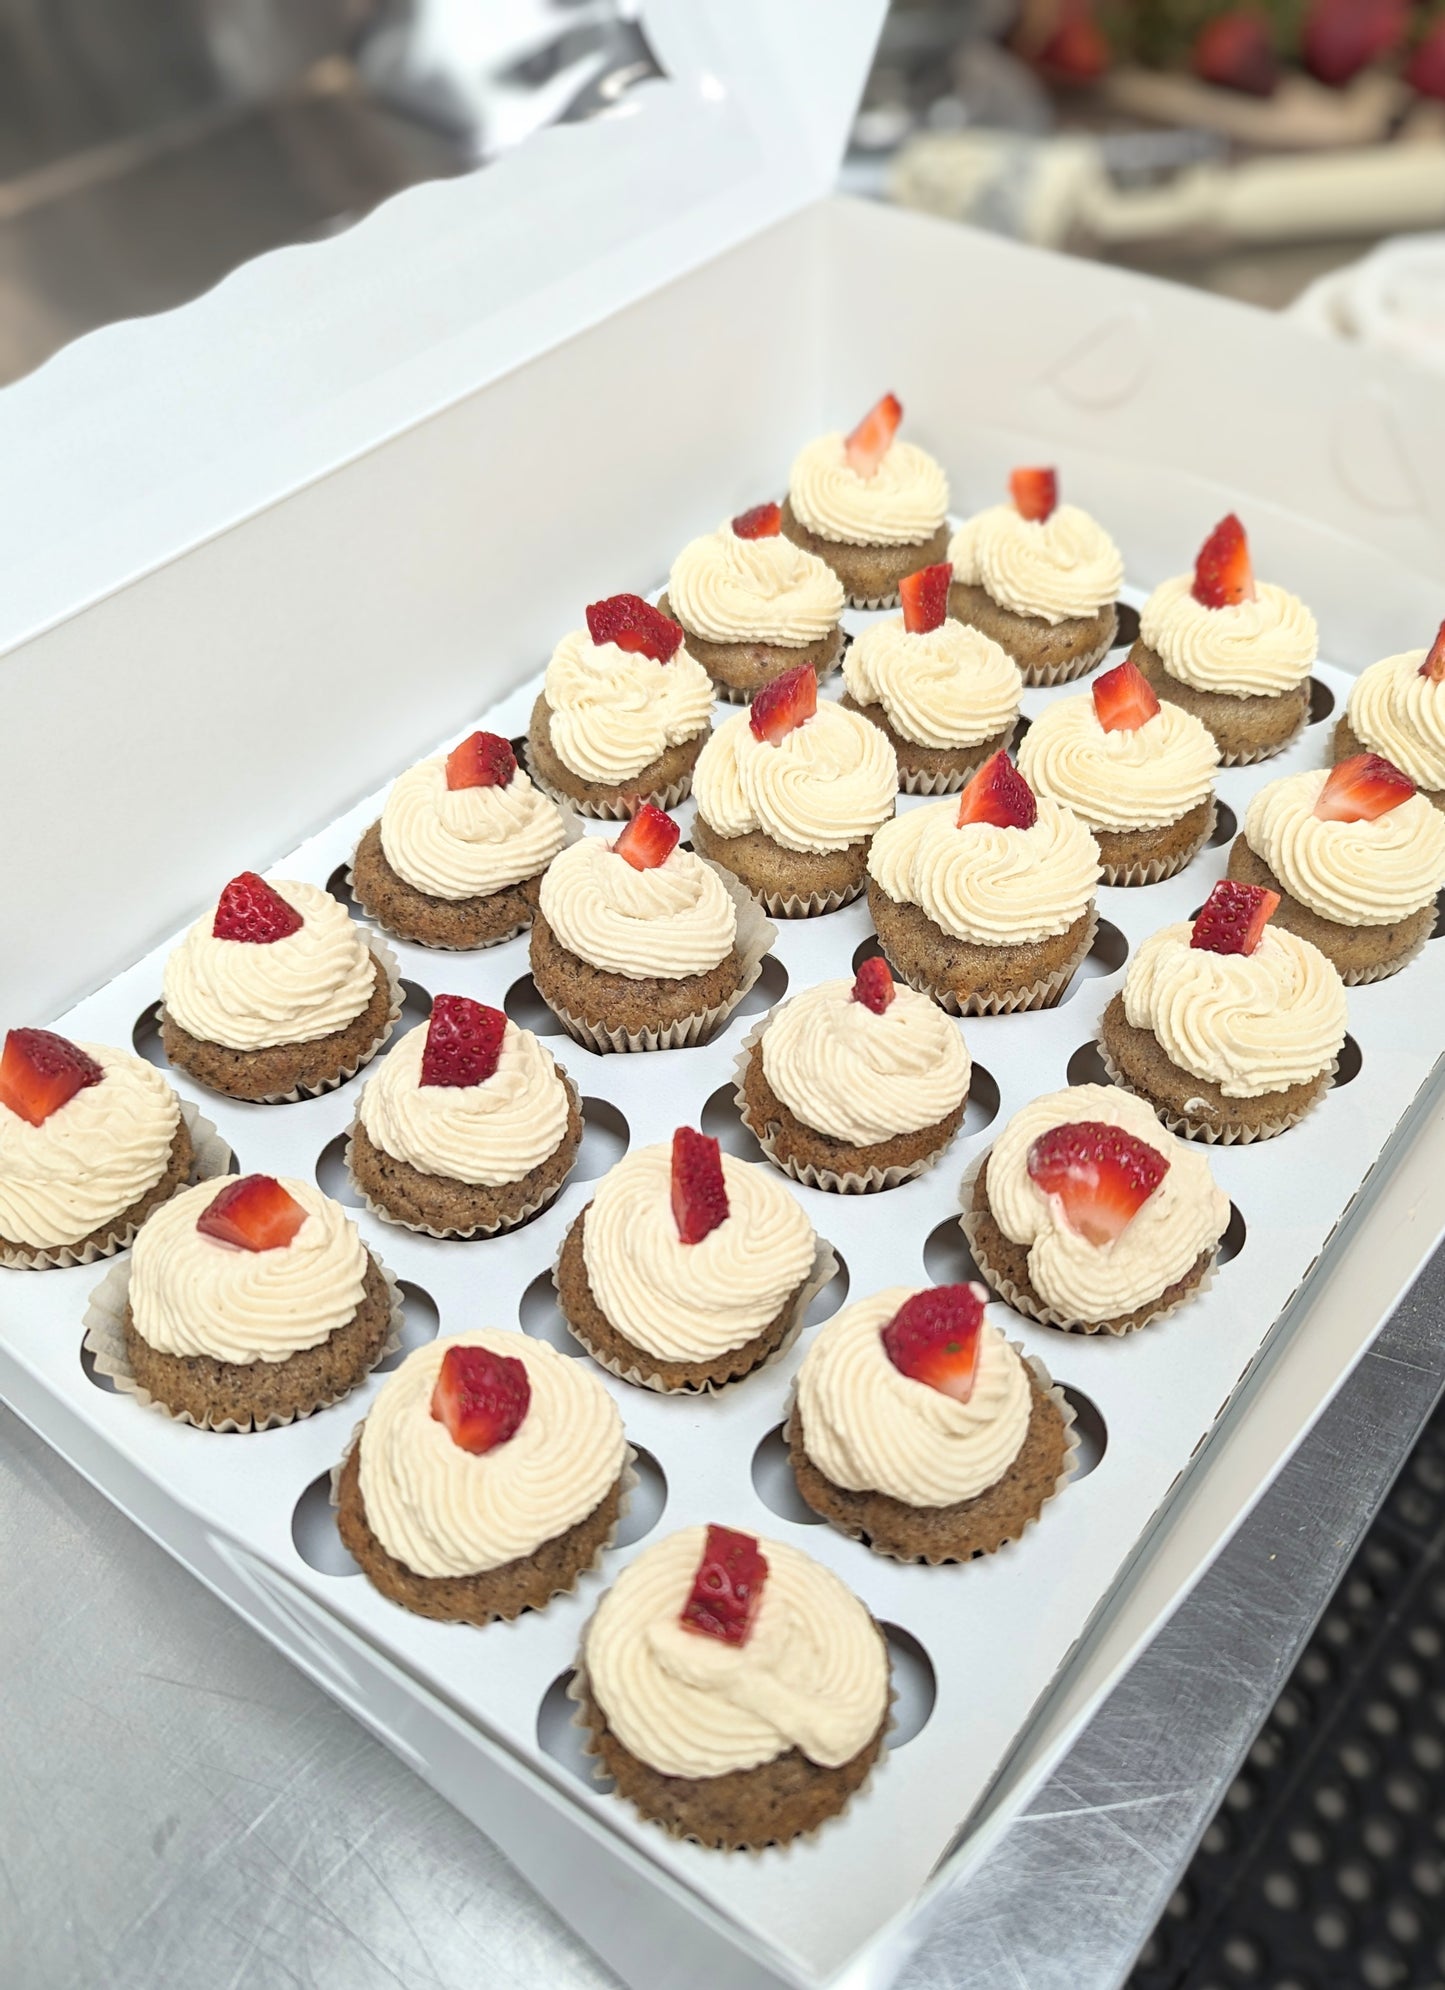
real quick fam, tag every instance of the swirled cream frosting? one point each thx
(467, 842)
(830, 782)
(1256, 648)
(951, 686)
(904, 500)
(614, 710)
(675, 920)
(992, 886)
(1395, 711)
(93, 1157)
(1185, 1216)
(1119, 780)
(1055, 569)
(731, 590)
(1250, 1023)
(443, 1511)
(688, 1302)
(485, 1134)
(248, 997)
(813, 1674)
(869, 1428)
(192, 1294)
(1356, 873)
(861, 1077)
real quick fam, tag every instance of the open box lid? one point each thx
(147, 437)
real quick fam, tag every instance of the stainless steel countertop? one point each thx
(182, 1807)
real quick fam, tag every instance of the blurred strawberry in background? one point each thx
(1236, 49)
(1342, 37)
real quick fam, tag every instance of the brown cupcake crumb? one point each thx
(455, 923)
(957, 1533)
(796, 1145)
(653, 782)
(777, 875)
(618, 1002)
(283, 1068)
(935, 962)
(492, 1594)
(1046, 652)
(1246, 727)
(740, 669)
(1146, 1068)
(1345, 743)
(1368, 953)
(439, 1202)
(951, 766)
(870, 574)
(106, 1237)
(1173, 843)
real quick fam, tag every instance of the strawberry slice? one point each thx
(1102, 1175)
(481, 1397)
(998, 793)
(1233, 917)
(873, 984)
(1362, 789)
(925, 597)
(249, 910)
(699, 1193)
(1342, 37)
(1124, 698)
(463, 1042)
(764, 521)
(254, 1213)
(486, 760)
(727, 1588)
(785, 704)
(1223, 576)
(870, 441)
(649, 838)
(1234, 50)
(1434, 665)
(934, 1338)
(633, 625)
(1035, 494)
(40, 1072)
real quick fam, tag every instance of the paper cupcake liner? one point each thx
(1193, 1129)
(1036, 674)
(1360, 977)
(825, 1267)
(1159, 868)
(212, 1157)
(105, 1339)
(620, 810)
(571, 830)
(755, 935)
(869, 1182)
(793, 905)
(932, 784)
(1040, 995)
(889, 600)
(1258, 753)
(523, 1215)
(1069, 1417)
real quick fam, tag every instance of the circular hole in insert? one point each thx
(826, 1303)
(723, 1122)
(1087, 1066)
(313, 1531)
(775, 1485)
(1020, 733)
(983, 1102)
(605, 1135)
(528, 1011)
(946, 1256)
(1226, 826)
(92, 1373)
(339, 887)
(870, 949)
(1128, 633)
(915, 1685)
(649, 1497)
(333, 1177)
(1108, 953)
(557, 1737)
(421, 1320)
(1350, 1062)
(1235, 1232)
(146, 1035)
(1093, 1432)
(542, 1317)
(519, 748)
(1322, 701)
(415, 1008)
(769, 988)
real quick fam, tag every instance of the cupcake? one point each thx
(459, 851)
(918, 1429)
(640, 945)
(1235, 653)
(1139, 773)
(275, 992)
(1229, 1027)
(789, 794)
(489, 1475)
(945, 696)
(986, 904)
(752, 605)
(1355, 857)
(870, 506)
(623, 713)
(467, 1128)
(1086, 1215)
(1397, 709)
(91, 1141)
(251, 1303)
(688, 1268)
(855, 1085)
(1041, 578)
(734, 1689)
